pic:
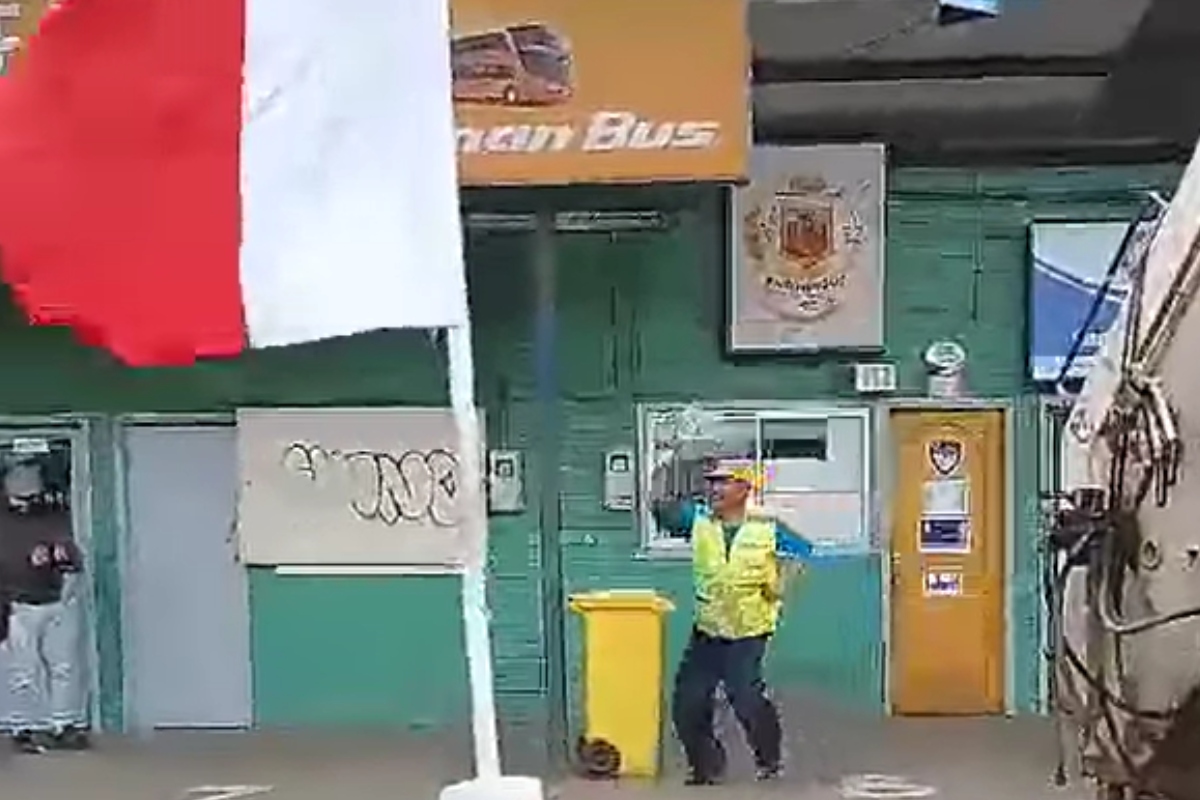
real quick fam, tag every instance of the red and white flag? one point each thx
(183, 179)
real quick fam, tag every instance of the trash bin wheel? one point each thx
(598, 759)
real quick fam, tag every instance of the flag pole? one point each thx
(475, 616)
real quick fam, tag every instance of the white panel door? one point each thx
(189, 618)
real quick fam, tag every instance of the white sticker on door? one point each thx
(946, 497)
(943, 582)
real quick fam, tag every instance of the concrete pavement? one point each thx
(943, 759)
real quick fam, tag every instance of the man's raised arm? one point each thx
(790, 545)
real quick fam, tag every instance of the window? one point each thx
(794, 439)
(487, 43)
(814, 462)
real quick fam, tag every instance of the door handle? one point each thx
(894, 572)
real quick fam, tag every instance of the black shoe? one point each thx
(713, 773)
(769, 772)
(700, 779)
(71, 739)
(29, 742)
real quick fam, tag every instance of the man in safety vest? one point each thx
(739, 559)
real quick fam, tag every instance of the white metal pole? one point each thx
(475, 615)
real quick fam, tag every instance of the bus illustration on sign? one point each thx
(521, 65)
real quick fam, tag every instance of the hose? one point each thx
(1151, 414)
(1109, 700)
(1073, 659)
(1119, 627)
(1151, 213)
(1094, 550)
(1146, 456)
(1165, 454)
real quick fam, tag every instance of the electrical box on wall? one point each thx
(620, 480)
(506, 482)
(874, 378)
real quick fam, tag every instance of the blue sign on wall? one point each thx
(1070, 260)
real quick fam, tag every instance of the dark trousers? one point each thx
(709, 662)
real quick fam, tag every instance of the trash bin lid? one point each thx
(621, 600)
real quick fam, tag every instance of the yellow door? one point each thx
(947, 547)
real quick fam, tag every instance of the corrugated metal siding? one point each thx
(957, 268)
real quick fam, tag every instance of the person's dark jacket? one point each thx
(36, 550)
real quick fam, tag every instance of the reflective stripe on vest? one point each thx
(737, 587)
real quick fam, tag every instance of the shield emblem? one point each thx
(946, 456)
(805, 230)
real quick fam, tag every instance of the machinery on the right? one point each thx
(1122, 557)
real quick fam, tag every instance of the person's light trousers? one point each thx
(46, 676)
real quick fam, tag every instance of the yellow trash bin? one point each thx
(622, 680)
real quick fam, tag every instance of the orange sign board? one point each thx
(600, 91)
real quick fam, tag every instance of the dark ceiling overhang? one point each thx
(961, 68)
(1155, 83)
(1049, 83)
(1169, 27)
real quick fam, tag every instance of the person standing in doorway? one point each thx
(740, 558)
(40, 569)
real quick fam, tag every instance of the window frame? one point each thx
(758, 411)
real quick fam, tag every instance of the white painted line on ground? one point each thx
(883, 787)
(226, 792)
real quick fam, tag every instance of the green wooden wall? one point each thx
(640, 315)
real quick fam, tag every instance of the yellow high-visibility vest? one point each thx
(739, 587)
